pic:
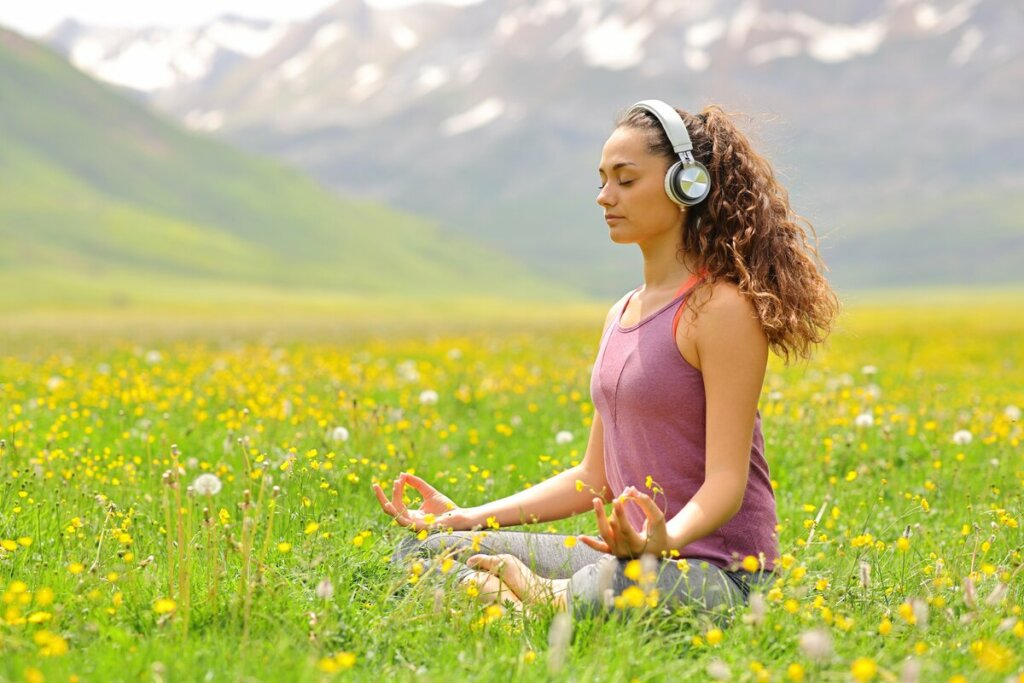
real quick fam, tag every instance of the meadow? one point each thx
(896, 456)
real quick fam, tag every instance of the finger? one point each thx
(647, 504)
(386, 504)
(398, 493)
(425, 489)
(625, 529)
(596, 544)
(602, 520)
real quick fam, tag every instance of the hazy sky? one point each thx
(35, 17)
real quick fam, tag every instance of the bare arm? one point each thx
(733, 353)
(553, 498)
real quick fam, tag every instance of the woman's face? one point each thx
(632, 194)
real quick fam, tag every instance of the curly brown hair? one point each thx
(746, 233)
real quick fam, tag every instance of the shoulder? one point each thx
(615, 309)
(726, 312)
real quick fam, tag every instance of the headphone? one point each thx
(687, 181)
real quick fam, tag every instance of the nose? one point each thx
(604, 196)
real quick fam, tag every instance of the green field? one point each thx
(108, 573)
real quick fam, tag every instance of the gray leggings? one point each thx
(596, 577)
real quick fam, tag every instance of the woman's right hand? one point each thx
(436, 512)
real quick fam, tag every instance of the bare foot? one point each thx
(530, 588)
(490, 589)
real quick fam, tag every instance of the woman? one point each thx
(676, 443)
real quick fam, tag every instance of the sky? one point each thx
(36, 17)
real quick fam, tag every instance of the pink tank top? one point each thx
(652, 405)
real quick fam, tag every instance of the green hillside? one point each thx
(103, 202)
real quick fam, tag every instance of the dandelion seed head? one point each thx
(207, 484)
(864, 420)
(339, 434)
(563, 437)
(962, 437)
(428, 397)
(816, 644)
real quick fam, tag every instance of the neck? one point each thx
(663, 268)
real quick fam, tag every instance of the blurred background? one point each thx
(230, 156)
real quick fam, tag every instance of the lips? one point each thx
(612, 217)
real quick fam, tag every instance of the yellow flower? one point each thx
(8, 545)
(714, 636)
(751, 564)
(33, 675)
(38, 617)
(864, 669)
(795, 672)
(579, 487)
(633, 597)
(429, 518)
(885, 627)
(633, 570)
(76, 567)
(284, 547)
(164, 606)
(529, 657)
(311, 528)
(992, 656)
(339, 662)
(570, 541)
(50, 644)
(902, 544)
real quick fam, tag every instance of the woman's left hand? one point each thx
(619, 538)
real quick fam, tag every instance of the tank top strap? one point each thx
(690, 283)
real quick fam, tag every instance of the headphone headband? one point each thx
(672, 124)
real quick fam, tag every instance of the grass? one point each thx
(91, 410)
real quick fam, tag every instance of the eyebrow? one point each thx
(619, 165)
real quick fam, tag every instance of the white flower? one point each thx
(339, 434)
(775, 396)
(515, 421)
(864, 420)
(207, 484)
(153, 357)
(962, 437)
(455, 354)
(428, 397)
(407, 371)
(563, 437)
(1012, 413)
(325, 589)
(869, 370)
(816, 643)
(719, 670)
(54, 383)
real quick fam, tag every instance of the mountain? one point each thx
(103, 202)
(894, 123)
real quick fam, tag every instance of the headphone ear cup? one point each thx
(687, 183)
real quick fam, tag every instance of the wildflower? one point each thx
(864, 420)
(991, 656)
(338, 662)
(339, 434)
(164, 606)
(207, 484)
(719, 670)
(962, 437)
(869, 370)
(428, 397)
(795, 672)
(865, 575)
(714, 636)
(325, 589)
(559, 637)
(563, 437)
(1012, 413)
(902, 544)
(885, 627)
(758, 608)
(816, 644)
(76, 568)
(311, 528)
(284, 547)
(50, 644)
(864, 669)
(751, 564)
(570, 541)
